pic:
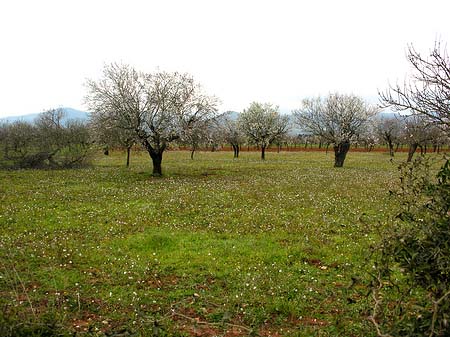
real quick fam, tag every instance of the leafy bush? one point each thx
(411, 286)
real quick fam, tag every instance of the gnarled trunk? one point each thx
(411, 151)
(340, 152)
(156, 153)
(391, 148)
(157, 160)
(263, 152)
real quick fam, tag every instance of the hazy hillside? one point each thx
(70, 114)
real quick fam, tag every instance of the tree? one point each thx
(368, 136)
(262, 124)
(337, 119)
(213, 134)
(195, 135)
(110, 136)
(416, 133)
(438, 138)
(157, 107)
(389, 130)
(428, 90)
(231, 132)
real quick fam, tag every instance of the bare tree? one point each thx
(337, 119)
(232, 134)
(416, 133)
(368, 137)
(195, 135)
(109, 135)
(427, 92)
(438, 138)
(157, 107)
(390, 130)
(214, 135)
(262, 124)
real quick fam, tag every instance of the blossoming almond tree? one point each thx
(158, 107)
(262, 124)
(338, 119)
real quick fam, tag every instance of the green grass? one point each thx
(215, 247)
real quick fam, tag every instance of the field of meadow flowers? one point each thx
(216, 247)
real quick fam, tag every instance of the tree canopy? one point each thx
(427, 91)
(262, 124)
(158, 107)
(338, 119)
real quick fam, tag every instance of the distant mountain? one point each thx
(233, 115)
(69, 114)
(388, 115)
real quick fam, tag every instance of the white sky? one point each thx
(241, 51)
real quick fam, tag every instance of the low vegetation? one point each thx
(49, 142)
(216, 247)
(411, 283)
(219, 246)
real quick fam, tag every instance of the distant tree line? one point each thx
(49, 142)
(162, 109)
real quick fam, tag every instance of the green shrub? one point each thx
(411, 286)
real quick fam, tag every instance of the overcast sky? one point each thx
(241, 51)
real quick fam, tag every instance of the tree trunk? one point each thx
(157, 160)
(156, 153)
(192, 153)
(411, 151)
(235, 150)
(128, 155)
(391, 148)
(340, 152)
(263, 152)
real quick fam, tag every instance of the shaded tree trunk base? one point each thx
(236, 151)
(128, 156)
(391, 148)
(411, 151)
(157, 160)
(340, 152)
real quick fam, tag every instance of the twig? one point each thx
(435, 312)
(377, 300)
(211, 324)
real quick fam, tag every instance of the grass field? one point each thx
(217, 247)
